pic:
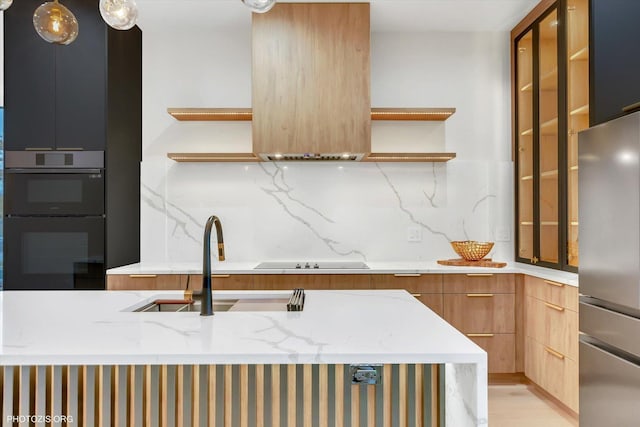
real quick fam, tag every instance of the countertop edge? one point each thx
(565, 277)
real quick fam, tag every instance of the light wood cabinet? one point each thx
(481, 313)
(146, 282)
(554, 372)
(427, 288)
(551, 338)
(550, 85)
(312, 281)
(311, 78)
(482, 306)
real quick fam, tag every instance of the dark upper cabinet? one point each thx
(57, 97)
(29, 73)
(615, 58)
(81, 69)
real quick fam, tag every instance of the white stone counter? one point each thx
(336, 327)
(426, 267)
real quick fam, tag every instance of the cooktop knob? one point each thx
(298, 266)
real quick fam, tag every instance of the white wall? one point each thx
(327, 211)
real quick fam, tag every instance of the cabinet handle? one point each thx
(220, 276)
(480, 335)
(554, 353)
(143, 276)
(38, 149)
(407, 275)
(552, 283)
(416, 295)
(69, 149)
(553, 306)
(479, 274)
(479, 295)
(630, 108)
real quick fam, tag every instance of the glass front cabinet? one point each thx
(550, 55)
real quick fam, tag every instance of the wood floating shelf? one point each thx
(409, 157)
(213, 157)
(211, 114)
(416, 114)
(246, 114)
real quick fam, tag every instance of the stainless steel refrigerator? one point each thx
(609, 223)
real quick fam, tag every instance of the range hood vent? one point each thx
(299, 157)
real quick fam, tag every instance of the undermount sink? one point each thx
(219, 305)
(181, 306)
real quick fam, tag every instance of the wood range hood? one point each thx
(311, 90)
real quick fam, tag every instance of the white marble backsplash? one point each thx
(322, 211)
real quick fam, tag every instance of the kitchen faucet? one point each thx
(206, 308)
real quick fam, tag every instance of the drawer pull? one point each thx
(407, 275)
(553, 306)
(143, 276)
(479, 274)
(416, 295)
(554, 353)
(220, 276)
(38, 149)
(479, 295)
(552, 283)
(630, 108)
(480, 335)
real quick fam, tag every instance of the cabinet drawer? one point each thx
(553, 326)
(552, 371)
(223, 281)
(481, 313)
(433, 301)
(146, 282)
(501, 351)
(312, 281)
(414, 283)
(478, 283)
(552, 292)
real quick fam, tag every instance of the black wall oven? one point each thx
(54, 221)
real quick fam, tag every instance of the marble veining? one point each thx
(407, 211)
(321, 211)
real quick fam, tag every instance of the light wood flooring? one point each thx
(522, 405)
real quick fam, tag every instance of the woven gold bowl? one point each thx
(472, 250)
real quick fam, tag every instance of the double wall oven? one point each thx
(54, 220)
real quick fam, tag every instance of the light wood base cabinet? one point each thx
(552, 371)
(551, 338)
(146, 282)
(482, 306)
(427, 288)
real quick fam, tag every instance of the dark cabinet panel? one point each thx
(29, 90)
(55, 96)
(81, 69)
(615, 58)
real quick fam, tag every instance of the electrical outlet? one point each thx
(414, 234)
(503, 234)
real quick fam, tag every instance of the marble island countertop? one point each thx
(75, 327)
(423, 267)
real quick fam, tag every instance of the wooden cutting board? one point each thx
(485, 262)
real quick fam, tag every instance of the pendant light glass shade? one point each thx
(55, 23)
(259, 6)
(4, 4)
(119, 14)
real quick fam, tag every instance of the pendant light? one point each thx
(55, 23)
(119, 14)
(4, 4)
(259, 6)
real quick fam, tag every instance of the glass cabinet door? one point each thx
(548, 201)
(525, 145)
(578, 110)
